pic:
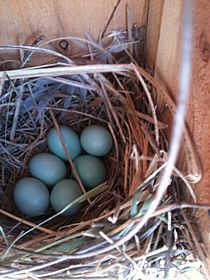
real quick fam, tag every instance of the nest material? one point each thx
(94, 244)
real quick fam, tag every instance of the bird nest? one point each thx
(112, 236)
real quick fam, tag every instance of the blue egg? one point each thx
(63, 193)
(71, 140)
(91, 170)
(48, 168)
(96, 140)
(31, 197)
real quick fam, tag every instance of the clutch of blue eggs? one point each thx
(49, 184)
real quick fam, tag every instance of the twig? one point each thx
(129, 28)
(17, 110)
(67, 154)
(110, 18)
(48, 231)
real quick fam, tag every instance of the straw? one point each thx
(113, 234)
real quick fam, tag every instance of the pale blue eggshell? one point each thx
(31, 196)
(63, 193)
(48, 168)
(71, 140)
(96, 140)
(91, 170)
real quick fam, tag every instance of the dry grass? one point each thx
(100, 242)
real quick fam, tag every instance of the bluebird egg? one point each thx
(96, 140)
(31, 197)
(71, 140)
(48, 168)
(91, 170)
(63, 193)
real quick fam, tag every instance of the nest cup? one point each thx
(125, 99)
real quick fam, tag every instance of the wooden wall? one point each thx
(54, 18)
(164, 53)
(19, 20)
(199, 107)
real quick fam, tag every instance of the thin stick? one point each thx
(48, 231)
(129, 28)
(151, 120)
(67, 154)
(77, 112)
(147, 8)
(17, 110)
(126, 157)
(110, 18)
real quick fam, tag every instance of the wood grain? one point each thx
(198, 115)
(53, 18)
(199, 109)
(167, 59)
(153, 30)
(23, 21)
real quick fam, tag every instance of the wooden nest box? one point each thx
(23, 21)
